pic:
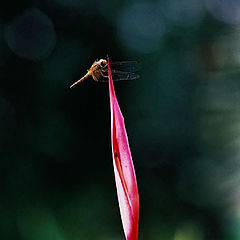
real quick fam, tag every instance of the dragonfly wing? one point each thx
(119, 75)
(125, 66)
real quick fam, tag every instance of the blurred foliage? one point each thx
(182, 117)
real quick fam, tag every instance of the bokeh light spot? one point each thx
(225, 10)
(140, 27)
(182, 12)
(31, 35)
(188, 231)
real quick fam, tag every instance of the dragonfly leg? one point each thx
(103, 74)
(104, 69)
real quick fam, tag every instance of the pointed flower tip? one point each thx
(125, 178)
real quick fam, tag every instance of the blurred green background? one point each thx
(182, 118)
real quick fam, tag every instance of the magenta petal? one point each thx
(125, 178)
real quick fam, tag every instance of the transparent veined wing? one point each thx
(120, 75)
(122, 70)
(125, 66)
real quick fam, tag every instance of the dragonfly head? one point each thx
(103, 62)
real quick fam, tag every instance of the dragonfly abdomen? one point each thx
(88, 74)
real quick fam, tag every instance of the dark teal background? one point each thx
(182, 118)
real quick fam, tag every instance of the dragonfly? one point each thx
(122, 70)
